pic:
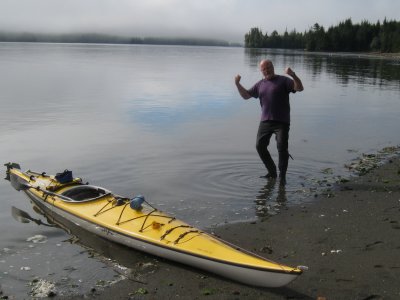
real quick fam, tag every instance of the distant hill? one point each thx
(96, 38)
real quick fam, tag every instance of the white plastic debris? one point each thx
(25, 268)
(336, 251)
(37, 239)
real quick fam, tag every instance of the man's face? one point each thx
(267, 69)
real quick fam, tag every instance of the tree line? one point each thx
(344, 37)
(96, 38)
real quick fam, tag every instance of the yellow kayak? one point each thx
(137, 224)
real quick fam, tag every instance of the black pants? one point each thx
(281, 131)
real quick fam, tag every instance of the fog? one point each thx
(220, 19)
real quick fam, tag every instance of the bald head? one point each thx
(267, 68)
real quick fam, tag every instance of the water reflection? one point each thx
(286, 57)
(376, 72)
(270, 198)
(346, 68)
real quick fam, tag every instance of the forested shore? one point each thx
(96, 38)
(345, 37)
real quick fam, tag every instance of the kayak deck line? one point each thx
(173, 228)
(145, 228)
(153, 224)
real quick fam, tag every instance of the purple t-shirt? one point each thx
(274, 98)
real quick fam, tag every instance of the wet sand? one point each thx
(349, 239)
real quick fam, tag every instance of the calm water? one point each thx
(168, 123)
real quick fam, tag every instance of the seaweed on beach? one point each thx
(368, 162)
(358, 167)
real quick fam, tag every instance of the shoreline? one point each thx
(214, 43)
(374, 55)
(348, 238)
(349, 242)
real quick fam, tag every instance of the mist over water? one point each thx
(167, 122)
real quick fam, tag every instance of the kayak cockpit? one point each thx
(84, 193)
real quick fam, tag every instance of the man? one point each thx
(273, 92)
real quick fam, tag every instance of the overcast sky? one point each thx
(221, 19)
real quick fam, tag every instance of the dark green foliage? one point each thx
(256, 39)
(345, 36)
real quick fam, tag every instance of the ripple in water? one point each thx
(232, 185)
(210, 187)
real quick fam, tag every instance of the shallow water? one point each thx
(168, 123)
